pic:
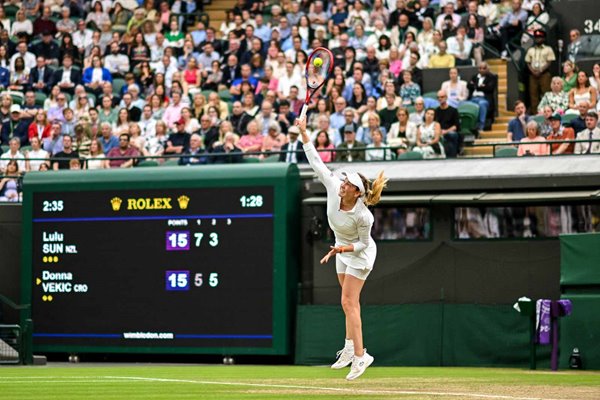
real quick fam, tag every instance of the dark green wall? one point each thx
(10, 259)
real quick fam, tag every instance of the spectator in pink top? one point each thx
(533, 144)
(173, 111)
(322, 143)
(253, 140)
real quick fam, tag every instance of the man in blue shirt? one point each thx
(516, 126)
(107, 139)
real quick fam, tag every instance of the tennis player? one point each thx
(354, 250)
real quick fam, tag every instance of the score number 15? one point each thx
(177, 241)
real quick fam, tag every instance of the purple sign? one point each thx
(178, 240)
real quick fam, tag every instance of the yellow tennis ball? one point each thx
(317, 62)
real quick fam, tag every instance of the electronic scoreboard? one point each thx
(197, 260)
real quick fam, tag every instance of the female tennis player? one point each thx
(354, 249)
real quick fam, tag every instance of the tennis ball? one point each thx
(317, 62)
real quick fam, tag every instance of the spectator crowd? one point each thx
(99, 84)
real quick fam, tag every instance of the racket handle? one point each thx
(303, 112)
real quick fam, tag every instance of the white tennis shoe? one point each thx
(344, 358)
(360, 365)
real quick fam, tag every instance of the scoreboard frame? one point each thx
(284, 179)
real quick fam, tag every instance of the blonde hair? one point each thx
(373, 189)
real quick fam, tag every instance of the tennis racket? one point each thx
(318, 68)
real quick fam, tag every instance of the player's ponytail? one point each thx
(373, 189)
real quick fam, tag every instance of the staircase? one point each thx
(216, 12)
(500, 127)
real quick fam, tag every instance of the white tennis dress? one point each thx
(350, 227)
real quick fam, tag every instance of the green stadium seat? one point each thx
(225, 95)
(410, 155)
(567, 118)
(24, 149)
(251, 160)
(40, 98)
(118, 84)
(469, 114)
(4, 148)
(17, 97)
(272, 159)
(430, 95)
(205, 93)
(170, 162)
(10, 11)
(148, 163)
(538, 118)
(506, 152)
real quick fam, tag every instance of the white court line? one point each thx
(332, 389)
(68, 380)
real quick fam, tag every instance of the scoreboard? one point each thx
(163, 260)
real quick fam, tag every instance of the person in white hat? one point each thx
(355, 251)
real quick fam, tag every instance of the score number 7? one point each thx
(213, 239)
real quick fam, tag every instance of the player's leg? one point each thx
(351, 305)
(353, 284)
(346, 354)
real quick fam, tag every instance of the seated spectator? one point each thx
(482, 88)
(460, 46)
(556, 98)
(208, 130)
(155, 145)
(533, 144)
(442, 59)
(74, 164)
(292, 151)
(560, 132)
(40, 76)
(448, 11)
(456, 88)
(21, 25)
(15, 127)
(570, 75)
(61, 159)
(409, 90)
(475, 33)
(36, 156)
(364, 134)
(196, 154)
(511, 25)
(82, 140)
(10, 183)
(578, 124)
(95, 76)
(418, 115)
(115, 62)
(429, 136)
(67, 77)
(350, 149)
(403, 134)
(179, 140)
(582, 91)
(252, 141)
(516, 126)
(123, 150)
(53, 144)
(538, 20)
(274, 140)
(96, 159)
(449, 121)
(13, 153)
(591, 132)
(387, 115)
(19, 76)
(324, 146)
(40, 127)
(227, 152)
(546, 124)
(377, 150)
